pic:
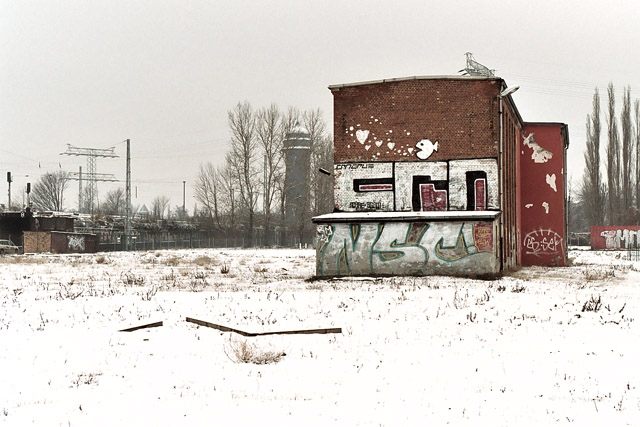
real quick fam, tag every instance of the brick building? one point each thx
(440, 175)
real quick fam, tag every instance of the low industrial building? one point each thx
(45, 232)
(441, 175)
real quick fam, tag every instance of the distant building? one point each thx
(45, 232)
(297, 152)
(143, 212)
(440, 175)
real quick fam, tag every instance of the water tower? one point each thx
(297, 152)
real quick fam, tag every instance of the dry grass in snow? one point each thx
(535, 347)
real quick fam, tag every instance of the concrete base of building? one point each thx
(461, 243)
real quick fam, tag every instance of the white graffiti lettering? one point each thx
(76, 243)
(323, 233)
(620, 238)
(543, 242)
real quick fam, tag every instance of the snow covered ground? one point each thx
(539, 346)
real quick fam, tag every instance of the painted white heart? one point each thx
(391, 145)
(362, 135)
(410, 150)
(378, 143)
(366, 147)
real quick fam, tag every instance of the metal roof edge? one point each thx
(405, 216)
(400, 79)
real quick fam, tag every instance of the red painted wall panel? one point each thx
(542, 190)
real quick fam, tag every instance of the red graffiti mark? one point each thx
(483, 236)
(432, 199)
(376, 187)
(480, 186)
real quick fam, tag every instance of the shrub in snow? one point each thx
(240, 351)
(594, 304)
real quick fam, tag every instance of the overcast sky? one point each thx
(165, 73)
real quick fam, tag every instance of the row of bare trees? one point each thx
(244, 193)
(48, 195)
(616, 201)
(250, 184)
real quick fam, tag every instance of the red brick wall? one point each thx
(461, 114)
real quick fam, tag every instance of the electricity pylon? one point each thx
(91, 176)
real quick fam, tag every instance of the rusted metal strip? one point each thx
(256, 334)
(218, 327)
(135, 328)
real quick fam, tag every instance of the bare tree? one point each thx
(114, 202)
(613, 159)
(321, 157)
(636, 110)
(48, 192)
(207, 192)
(227, 197)
(242, 159)
(270, 137)
(627, 151)
(592, 191)
(322, 189)
(159, 206)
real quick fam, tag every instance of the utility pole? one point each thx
(184, 186)
(80, 190)
(264, 186)
(9, 182)
(127, 220)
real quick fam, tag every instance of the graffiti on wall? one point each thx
(473, 184)
(543, 243)
(425, 148)
(551, 181)
(412, 186)
(539, 154)
(620, 238)
(482, 242)
(377, 139)
(399, 247)
(365, 186)
(75, 243)
(432, 199)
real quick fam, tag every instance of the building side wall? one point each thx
(59, 242)
(461, 248)
(542, 203)
(511, 129)
(37, 241)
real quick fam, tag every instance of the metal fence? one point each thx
(110, 241)
(633, 251)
